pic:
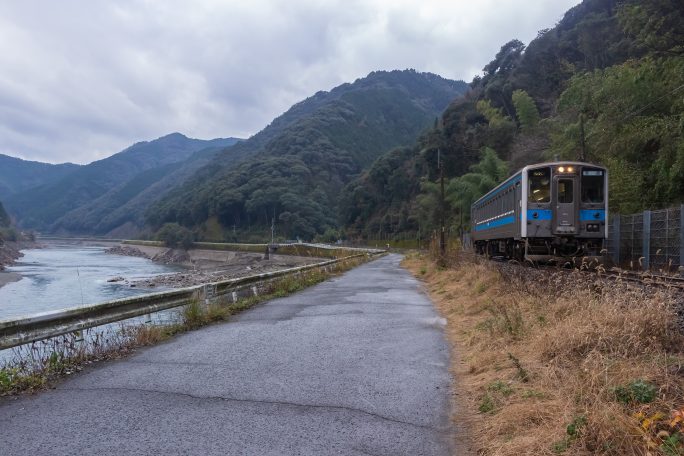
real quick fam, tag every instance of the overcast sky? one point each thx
(81, 80)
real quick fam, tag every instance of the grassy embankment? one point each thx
(560, 363)
(41, 364)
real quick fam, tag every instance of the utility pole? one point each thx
(442, 243)
(273, 230)
(583, 142)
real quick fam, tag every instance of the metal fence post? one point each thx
(646, 249)
(615, 242)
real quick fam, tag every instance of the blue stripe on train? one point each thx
(495, 223)
(539, 214)
(592, 215)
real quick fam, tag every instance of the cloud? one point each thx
(82, 80)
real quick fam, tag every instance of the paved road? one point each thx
(357, 365)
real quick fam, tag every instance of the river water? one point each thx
(61, 276)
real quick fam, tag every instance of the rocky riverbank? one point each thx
(125, 250)
(9, 253)
(204, 266)
(164, 256)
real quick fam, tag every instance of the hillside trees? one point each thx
(612, 69)
(485, 175)
(525, 110)
(460, 192)
(633, 125)
(4, 217)
(173, 235)
(295, 175)
(657, 26)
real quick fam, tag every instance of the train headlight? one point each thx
(571, 169)
(561, 169)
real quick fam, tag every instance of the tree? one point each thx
(506, 58)
(173, 235)
(525, 110)
(633, 125)
(4, 217)
(657, 26)
(464, 190)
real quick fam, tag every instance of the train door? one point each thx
(565, 197)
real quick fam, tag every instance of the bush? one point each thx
(173, 235)
(4, 217)
(639, 392)
(9, 234)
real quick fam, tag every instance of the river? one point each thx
(60, 276)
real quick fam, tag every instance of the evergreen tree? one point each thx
(4, 217)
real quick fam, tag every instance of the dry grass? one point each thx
(555, 363)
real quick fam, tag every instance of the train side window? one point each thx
(592, 185)
(540, 185)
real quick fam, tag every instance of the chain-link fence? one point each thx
(650, 240)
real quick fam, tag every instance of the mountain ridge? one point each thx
(17, 174)
(304, 156)
(40, 207)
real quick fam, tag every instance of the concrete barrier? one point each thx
(45, 325)
(299, 249)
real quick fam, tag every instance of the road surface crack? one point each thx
(259, 401)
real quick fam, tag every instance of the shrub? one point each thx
(173, 235)
(638, 391)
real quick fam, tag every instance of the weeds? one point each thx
(522, 373)
(573, 431)
(557, 363)
(636, 392)
(487, 404)
(193, 315)
(501, 387)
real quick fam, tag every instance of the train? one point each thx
(544, 212)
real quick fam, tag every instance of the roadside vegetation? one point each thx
(39, 365)
(560, 363)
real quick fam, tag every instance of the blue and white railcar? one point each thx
(543, 212)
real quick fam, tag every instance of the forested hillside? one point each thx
(68, 204)
(605, 84)
(120, 212)
(4, 217)
(298, 165)
(17, 175)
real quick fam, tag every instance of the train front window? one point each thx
(540, 185)
(592, 185)
(565, 191)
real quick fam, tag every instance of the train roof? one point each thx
(514, 175)
(558, 163)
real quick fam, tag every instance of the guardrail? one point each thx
(45, 325)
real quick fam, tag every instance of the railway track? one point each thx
(644, 278)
